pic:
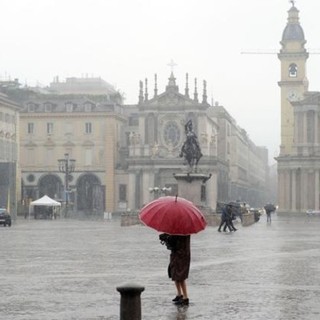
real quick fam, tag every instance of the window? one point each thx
(88, 155)
(122, 192)
(69, 106)
(68, 128)
(134, 120)
(293, 70)
(31, 107)
(48, 107)
(49, 128)
(88, 127)
(30, 127)
(88, 107)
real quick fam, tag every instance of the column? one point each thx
(303, 189)
(287, 188)
(316, 128)
(281, 201)
(304, 140)
(147, 182)
(131, 191)
(293, 190)
(316, 190)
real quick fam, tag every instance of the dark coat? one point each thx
(179, 265)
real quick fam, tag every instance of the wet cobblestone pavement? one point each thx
(68, 269)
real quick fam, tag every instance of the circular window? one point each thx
(172, 133)
(31, 178)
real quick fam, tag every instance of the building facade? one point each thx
(122, 152)
(299, 159)
(248, 172)
(156, 140)
(9, 154)
(86, 127)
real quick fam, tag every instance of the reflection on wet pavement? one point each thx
(68, 269)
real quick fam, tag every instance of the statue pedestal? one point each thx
(191, 186)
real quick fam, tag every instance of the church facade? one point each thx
(299, 158)
(156, 142)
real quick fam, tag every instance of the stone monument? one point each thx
(191, 184)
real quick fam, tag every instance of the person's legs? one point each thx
(178, 287)
(221, 224)
(185, 300)
(268, 217)
(179, 296)
(227, 225)
(183, 286)
(232, 226)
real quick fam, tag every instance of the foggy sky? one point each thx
(124, 41)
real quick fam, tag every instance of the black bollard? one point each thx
(130, 302)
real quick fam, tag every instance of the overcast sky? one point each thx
(124, 41)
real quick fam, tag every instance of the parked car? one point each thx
(5, 217)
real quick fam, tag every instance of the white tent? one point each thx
(44, 201)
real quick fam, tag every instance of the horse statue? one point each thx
(191, 149)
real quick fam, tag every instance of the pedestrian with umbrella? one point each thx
(177, 218)
(179, 265)
(226, 219)
(269, 208)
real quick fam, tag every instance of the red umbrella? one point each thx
(173, 215)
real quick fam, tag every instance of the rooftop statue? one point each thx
(191, 149)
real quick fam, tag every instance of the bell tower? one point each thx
(293, 83)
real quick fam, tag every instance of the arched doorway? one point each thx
(90, 194)
(51, 186)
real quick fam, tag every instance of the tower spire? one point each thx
(195, 90)
(204, 95)
(140, 92)
(155, 85)
(146, 90)
(187, 86)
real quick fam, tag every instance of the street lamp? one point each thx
(67, 166)
(158, 191)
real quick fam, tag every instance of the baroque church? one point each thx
(155, 145)
(299, 158)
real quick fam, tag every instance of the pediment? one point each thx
(169, 100)
(49, 143)
(310, 98)
(69, 144)
(87, 143)
(30, 144)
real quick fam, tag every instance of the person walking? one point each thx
(269, 208)
(230, 217)
(226, 217)
(179, 265)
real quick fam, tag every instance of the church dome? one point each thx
(293, 30)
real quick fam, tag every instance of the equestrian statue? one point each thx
(191, 149)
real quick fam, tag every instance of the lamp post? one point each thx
(67, 166)
(158, 191)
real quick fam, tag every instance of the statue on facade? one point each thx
(191, 149)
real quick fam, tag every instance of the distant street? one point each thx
(69, 269)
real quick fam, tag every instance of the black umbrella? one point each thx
(269, 207)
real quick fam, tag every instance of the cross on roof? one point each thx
(172, 64)
(292, 2)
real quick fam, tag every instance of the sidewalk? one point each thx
(67, 269)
